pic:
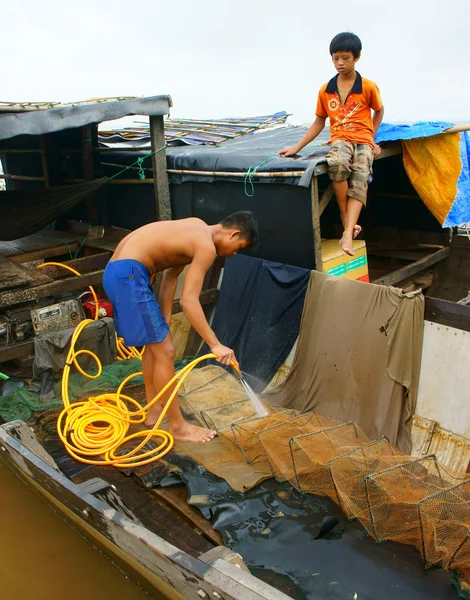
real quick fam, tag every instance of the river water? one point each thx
(43, 558)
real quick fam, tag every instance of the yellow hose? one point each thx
(99, 426)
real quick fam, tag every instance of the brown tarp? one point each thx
(358, 357)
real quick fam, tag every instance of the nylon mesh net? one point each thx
(395, 496)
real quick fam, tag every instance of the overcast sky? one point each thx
(237, 58)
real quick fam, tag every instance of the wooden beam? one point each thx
(326, 197)
(24, 257)
(88, 169)
(10, 298)
(410, 270)
(450, 314)
(16, 350)
(177, 499)
(162, 190)
(20, 177)
(82, 265)
(316, 224)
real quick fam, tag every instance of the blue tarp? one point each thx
(390, 132)
(460, 209)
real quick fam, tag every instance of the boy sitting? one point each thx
(347, 100)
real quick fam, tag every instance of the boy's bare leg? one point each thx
(162, 358)
(341, 192)
(352, 215)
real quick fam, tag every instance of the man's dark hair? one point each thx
(245, 221)
(346, 42)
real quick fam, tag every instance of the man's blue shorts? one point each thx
(137, 315)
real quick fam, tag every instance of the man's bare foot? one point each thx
(357, 231)
(191, 433)
(153, 415)
(346, 243)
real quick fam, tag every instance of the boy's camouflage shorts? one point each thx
(347, 160)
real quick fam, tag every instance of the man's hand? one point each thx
(377, 150)
(224, 355)
(288, 151)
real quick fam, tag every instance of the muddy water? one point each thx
(43, 558)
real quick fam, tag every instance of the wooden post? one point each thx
(45, 170)
(162, 191)
(326, 197)
(316, 224)
(89, 168)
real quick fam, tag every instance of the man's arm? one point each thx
(314, 130)
(167, 291)
(192, 308)
(376, 121)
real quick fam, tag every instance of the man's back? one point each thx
(164, 244)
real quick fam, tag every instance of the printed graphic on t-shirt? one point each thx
(342, 119)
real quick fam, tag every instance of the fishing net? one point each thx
(394, 496)
(445, 528)
(247, 434)
(312, 452)
(212, 387)
(276, 442)
(22, 402)
(349, 470)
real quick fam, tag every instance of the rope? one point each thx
(248, 182)
(139, 163)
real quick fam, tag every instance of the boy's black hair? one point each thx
(346, 42)
(245, 221)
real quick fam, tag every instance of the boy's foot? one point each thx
(346, 243)
(191, 433)
(357, 231)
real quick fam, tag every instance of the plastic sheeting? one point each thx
(437, 165)
(51, 350)
(57, 119)
(282, 537)
(258, 314)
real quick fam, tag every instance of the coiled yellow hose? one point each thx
(99, 426)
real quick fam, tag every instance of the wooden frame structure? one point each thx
(420, 263)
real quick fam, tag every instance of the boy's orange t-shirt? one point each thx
(351, 121)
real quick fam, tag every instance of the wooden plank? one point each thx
(48, 252)
(10, 298)
(177, 498)
(409, 270)
(162, 190)
(15, 351)
(159, 562)
(11, 276)
(88, 169)
(326, 197)
(149, 511)
(316, 224)
(450, 314)
(82, 265)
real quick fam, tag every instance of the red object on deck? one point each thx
(105, 308)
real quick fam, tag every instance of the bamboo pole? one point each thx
(20, 177)
(458, 128)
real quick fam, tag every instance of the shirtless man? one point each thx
(169, 246)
